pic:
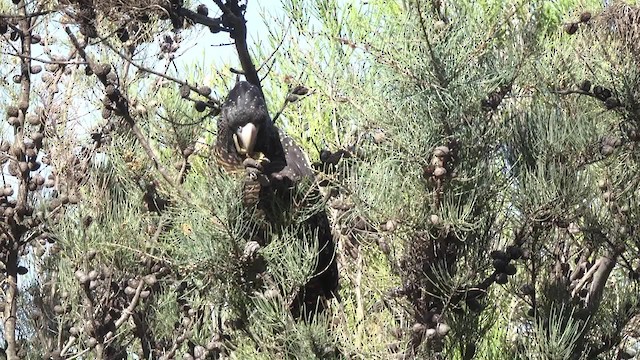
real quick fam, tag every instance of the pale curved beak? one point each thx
(245, 139)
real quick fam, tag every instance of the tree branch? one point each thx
(123, 108)
(239, 34)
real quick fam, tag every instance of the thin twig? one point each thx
(275, 51)
(159, 74)
(44, 61)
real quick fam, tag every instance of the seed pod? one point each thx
(35, 38)
(390, 225)
(79, 274)
(36, 69)
(602, 184)
(47, 78)
(439, 171)
(611, 103)
(202, 9)
(379, 136)
(607, 150)
(13, 169)
(585, 86)
(510, 269)
(150, 279)
(499, 254)
(33, 165)
(74, 199)
(384, 246)
(585, 17)
(39, 180)
(13, 121)
(187, 151)
(441, 151)
(601, 93)
(501, 278)
(185, 90)
(17, 79)
(102, 69)
(199, 352)
(204, 90)
(112, 78)
(499, 264)
(571, 28)
(37, 137)
(300, 90)
(52, 67)
(442, 329)
(12, 111)
(200, 106)
(418, 328)
(110, 90)
(91, 254)
(93, 274)
(122, 34)
(23, 166)
(141, 109)
(33, 119)
(17, 151)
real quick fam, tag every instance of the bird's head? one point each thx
(244, 124)
(245, 129)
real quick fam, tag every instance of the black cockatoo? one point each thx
(247, 138)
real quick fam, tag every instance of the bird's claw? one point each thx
(252, 164)
(255, 175)
(257, 162)
(252, 173)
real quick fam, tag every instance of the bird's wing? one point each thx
(289, 161)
